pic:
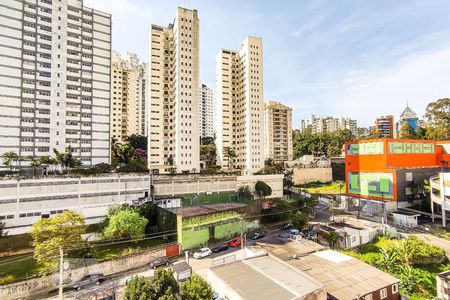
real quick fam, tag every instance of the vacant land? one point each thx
(332, 188)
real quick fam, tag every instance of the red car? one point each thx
(235, 242)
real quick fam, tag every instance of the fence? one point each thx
(45, 284)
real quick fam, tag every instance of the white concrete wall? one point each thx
(24, 202)
(274, 181)
(307, 175)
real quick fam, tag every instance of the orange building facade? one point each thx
(392, 169)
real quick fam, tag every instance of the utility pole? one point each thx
(61, 274)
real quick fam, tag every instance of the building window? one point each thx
(395, 288)
(368, 297)
(383, 293)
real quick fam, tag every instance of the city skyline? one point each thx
(361, 61)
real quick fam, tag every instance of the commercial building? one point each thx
(263, 277)
(205, 103)
(392, 169)
(128, 96)
(329, 124)
(24, 201)
(384, 126)
(55, 64)
(278, 131)
(173, 76)
(240, 105)
(408, 117)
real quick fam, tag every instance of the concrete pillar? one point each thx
(432, 204)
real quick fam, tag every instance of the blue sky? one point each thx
(344, 58)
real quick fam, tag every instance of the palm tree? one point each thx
(34, 162)
(331, 238)
(230, 154)
(47, 161)
(10, 157)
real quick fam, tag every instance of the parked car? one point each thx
(236, 242)
(203, 252)
(287, 226)
(220, 248)
(294, 232)
(258, 235)
(130, 278)
(158, 262)
(91, 279)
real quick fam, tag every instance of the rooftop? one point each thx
(265, 277)
(206, 209)
(345, 277)
(289, 249)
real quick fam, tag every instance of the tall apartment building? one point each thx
(384, 126)
(55, 59)
(205, 103)
(173, 125)
(240, 105)
(278, 131)
(409, 117)
(329, 124)
(128, 96)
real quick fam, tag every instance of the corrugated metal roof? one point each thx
(344, 279)
(264, 277)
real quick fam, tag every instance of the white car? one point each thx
(203, 252)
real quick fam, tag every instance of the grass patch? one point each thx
(13, 268)
(418, 283)
(331, 188)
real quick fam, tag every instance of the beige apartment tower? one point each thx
(278, 131)
(240, 106)
(128, 96)
(173, 123)
(206, 112)
(55, 66)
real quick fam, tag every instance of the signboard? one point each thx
(365, 148)
(371, 184)
(410, 148)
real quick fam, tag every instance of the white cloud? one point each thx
(418, 79)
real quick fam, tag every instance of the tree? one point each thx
(47, 161)
(288, 179)
(126, 223)
(9, 158)
(331, 238)
(208, 155)
(137, 141)
(208, 140)
(262, 189)
(61, 231)
(195, 288)
(2, 229)
(299, 219)
(139, 288)
(66, 159)
(229, 154)
(407, 132)
(244, 192)
(34, 163)
(164, 284)
(438, 120)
